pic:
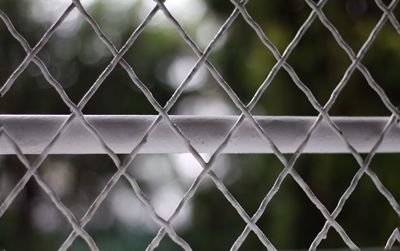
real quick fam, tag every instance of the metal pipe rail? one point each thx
(123, 132)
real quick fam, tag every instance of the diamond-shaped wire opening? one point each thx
(291, 200)
(75, 180)
(327, 187)
(282, 90)
(225, 221)
(65, 55)
(387, 172)
(123, 218)
(33, 19)
(130, 101)
(279, 20)
(360, 15)
(11, 172)
(244, 176)
(165, 179)
(328, 59)
(109, 15)
(31, 83)
(10, 52)
(151, 60)
(350, 103)
(376, 221)
(383, 55)
(202, 94)
(253, 61)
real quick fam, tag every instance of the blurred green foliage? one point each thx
(291, 220)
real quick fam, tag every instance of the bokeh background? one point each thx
(75, 56)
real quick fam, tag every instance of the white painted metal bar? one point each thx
(123, 132)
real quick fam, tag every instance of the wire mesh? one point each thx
(122, 165)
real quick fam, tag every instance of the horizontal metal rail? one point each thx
(123, 132)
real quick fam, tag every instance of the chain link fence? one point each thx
(122, 164)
